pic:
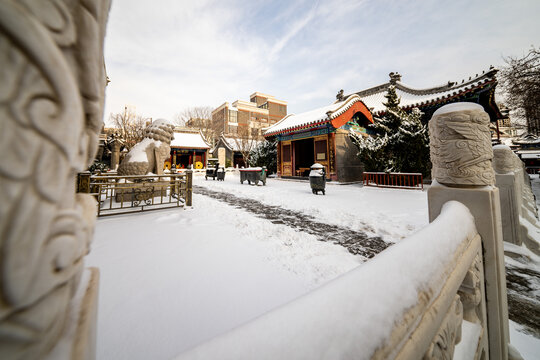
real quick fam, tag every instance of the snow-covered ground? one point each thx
(389, 213)
(172, 279)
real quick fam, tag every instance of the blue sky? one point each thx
(163, 56)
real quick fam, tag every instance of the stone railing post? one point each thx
(517, 201)
(462, 155)
(509, 191)
(115, 154)
(189, 187)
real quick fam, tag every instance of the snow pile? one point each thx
(528, 346)
(316, 170)
(459, 106)
(353, 315)
(138, 153)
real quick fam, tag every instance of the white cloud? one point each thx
(170, 54)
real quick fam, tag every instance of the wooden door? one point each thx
(286, 158)
(320, 145)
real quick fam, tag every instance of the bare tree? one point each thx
(198, 117)
(521, 83)
(245, 142)
(130, 126)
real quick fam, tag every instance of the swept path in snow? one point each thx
(356, 242)
(523, 300)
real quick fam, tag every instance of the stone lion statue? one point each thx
(150, 154)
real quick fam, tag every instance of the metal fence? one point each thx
(394, 180)
(127, 194)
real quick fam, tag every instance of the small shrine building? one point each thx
(321, 136)
(228, 150)
(188, 150)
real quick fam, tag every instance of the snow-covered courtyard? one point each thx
(172, 279)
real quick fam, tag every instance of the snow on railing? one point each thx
(408, 302)
(133, 193)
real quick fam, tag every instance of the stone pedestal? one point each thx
(484, 205)
(506, 183)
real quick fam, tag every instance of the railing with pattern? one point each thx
(127, 194)
(394, 180)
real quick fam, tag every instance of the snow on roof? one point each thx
(527, 139)
(410, 97)
(233, 144)
(189, 140)
(313, 117)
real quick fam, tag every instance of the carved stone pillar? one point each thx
(115, 156)
(461, 154)
(52, 83)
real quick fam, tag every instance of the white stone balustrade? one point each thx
(518, 207)
(408, 302)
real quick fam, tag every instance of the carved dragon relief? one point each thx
(461, 150)
(449, 334)
(52, 84)
(503, 160)
(471, 294)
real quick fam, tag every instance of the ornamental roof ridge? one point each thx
(347, 103)
(451, 85)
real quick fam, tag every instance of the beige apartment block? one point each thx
(249, 117)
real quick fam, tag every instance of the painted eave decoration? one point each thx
(336, 115)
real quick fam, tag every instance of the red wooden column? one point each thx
(332, 156)
(279, 162)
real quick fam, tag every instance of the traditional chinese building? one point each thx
(321, 136)
(228, 150)
(188, 149)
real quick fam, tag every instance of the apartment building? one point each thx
(249, 117)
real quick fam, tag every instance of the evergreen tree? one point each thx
(265, 154)
(399, 142)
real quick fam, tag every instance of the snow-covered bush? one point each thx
(98, 166)
(399, 141)
(265, 154)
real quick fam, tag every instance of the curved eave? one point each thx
(342, 115)
(336, 118)
(306, 126)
